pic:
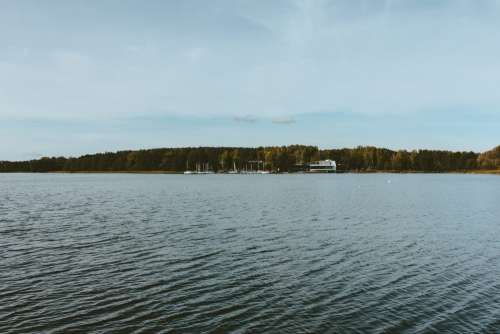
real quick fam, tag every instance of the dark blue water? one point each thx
(378, 253)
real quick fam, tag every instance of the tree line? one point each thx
(277, 159)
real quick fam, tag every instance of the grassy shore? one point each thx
(119, 172)
(493, 171)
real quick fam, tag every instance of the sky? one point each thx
(86, 76)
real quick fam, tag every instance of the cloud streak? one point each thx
(245, 119)
(286, 120)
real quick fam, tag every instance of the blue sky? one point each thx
(88, 76)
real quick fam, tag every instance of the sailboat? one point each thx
(187, 169)
(200, 169)
(261, 171)
(234, 171)
(206, 169)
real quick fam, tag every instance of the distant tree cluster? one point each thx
(283, 158)
(367, 158)
(277, 159)
(490, 159)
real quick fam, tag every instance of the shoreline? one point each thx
(485, 172)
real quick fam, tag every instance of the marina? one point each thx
(259, 167)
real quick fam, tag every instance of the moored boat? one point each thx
(323, 166)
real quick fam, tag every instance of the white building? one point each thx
(323, 166)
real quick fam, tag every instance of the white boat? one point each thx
(323, 166)
(187, 169)
(234, 170)
(257, 164)
(200, 170)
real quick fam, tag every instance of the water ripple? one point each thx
(281, 254)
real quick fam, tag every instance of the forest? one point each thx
(276, 159)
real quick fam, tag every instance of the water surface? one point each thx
(374, 253)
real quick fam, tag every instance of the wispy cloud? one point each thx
(283, 120)
(195, 54)
(245, 119)
(70, 58)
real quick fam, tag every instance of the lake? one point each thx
(344, 253)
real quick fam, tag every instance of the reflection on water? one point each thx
(376, 253)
